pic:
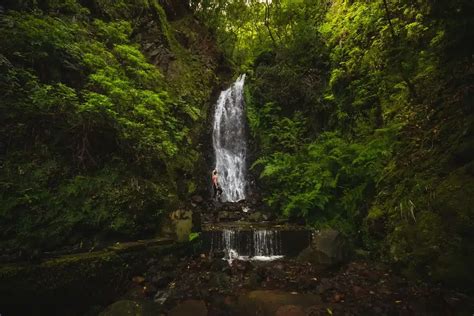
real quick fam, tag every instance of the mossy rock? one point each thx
(329, 248)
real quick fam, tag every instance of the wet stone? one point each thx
(127, 246)
(329, 248)
(197, 199)
(256, 217)
(168, 263)
(131, 307)
(290, 310)
(224, 216)
(219, 280)
(189, 307)
(218, 264)
(270, 301)
(162, 279)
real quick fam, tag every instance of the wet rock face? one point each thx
(256, 217)
(328, 248)
(205, 285)
(228, 216)
(231, 211)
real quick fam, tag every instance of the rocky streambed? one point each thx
(316, 273)
(325, 278)
(203, 285)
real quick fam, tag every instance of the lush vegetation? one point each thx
(359, 113)
(361, 120)
(97, 142)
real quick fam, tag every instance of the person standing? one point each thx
(215, 185)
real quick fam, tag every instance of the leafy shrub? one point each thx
(327, 181)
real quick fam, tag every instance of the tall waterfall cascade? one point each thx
(229, 141)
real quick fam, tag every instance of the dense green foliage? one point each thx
(352, 108)
(97, 138)
(328, 180)
(360, 117)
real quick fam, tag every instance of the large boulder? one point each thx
(328, 248)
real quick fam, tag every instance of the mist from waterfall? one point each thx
(229, 141)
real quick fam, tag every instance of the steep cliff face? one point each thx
(103, 119)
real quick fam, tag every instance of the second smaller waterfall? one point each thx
(262, 245)
(267, 243)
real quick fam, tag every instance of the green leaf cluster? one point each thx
(97, 139)
(327, 181)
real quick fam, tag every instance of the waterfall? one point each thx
(262, 245)
(229, 240)
(229, 141)
(267, 243)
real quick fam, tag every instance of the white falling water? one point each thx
(229, 240)
(266, 245)
(230, 245)
(229, 141)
